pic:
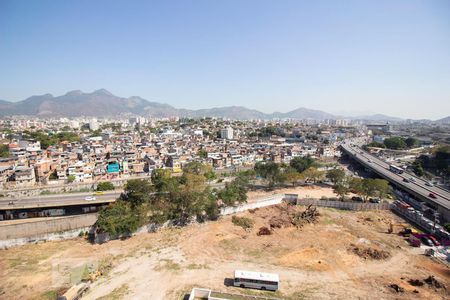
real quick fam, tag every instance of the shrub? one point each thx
(244, 222)
(105, 186)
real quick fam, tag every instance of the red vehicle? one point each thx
(434, 240)
(432, 195)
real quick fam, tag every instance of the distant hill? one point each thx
(378, 117)
(445, 120)
(103, 103)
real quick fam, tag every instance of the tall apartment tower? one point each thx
(226, 133)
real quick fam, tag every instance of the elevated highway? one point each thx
(416, 187)
(57, 200)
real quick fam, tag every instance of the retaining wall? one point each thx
(43, 230)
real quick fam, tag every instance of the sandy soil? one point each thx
(315, 192)
(314, 262)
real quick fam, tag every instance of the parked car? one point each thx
(426, 241)
(89, 198)
(374, 200)
(434, 240)
(432, 195)
(356, 198)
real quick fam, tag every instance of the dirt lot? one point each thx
(312, 191)
(316, 261)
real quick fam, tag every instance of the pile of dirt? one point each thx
(397, 288)
(415, 282)
(433, 282)
(264, 231)
(310, 215)
(369, 252)
(288, 215)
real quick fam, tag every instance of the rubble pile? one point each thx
(433, 282)
(264, 231)
(397, 288)
(369, 253)
(288, 216)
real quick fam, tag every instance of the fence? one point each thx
(344, 205)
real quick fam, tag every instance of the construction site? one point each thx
(319, 253)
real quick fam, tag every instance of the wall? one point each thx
(344, 205)
(47, 229)
(56, 236)
(272, 200)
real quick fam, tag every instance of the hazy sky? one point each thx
(390, 57)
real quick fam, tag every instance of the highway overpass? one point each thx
(416, 187)
(60, 200)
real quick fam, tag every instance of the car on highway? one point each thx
(98, 193)
(432, 195)
(406, 180)
(428, 183)
(412, 179)
(89, 198)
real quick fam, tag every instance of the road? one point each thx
(67, 199)
(381, 167)
(58, 200)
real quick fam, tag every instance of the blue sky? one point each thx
(389, 57)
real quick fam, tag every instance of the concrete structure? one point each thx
(416, 188)
(226, 133)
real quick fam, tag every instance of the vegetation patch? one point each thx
(243, 222)
(117, 293)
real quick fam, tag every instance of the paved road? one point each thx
(382, 168)
(66, 199)
(58, 200)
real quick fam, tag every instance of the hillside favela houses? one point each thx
(55, 151)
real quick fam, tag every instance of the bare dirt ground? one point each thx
(314, 262)
(312, 191)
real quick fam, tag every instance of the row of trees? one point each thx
(180, 199)
(365, 187)
(396, 143)
(300, 168)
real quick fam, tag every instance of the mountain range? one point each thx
(102, 103)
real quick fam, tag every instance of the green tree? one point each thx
(341, 189)
(292, 176)
(356, 185)
(336, 176)
(118, 218)
(192, 198)
(375, 145)
(198, 168)
(382, 188)
(417, 168)
(136, 192)
(202, 153)
(70, 178)
(412, 142)
(302, 163)
(313, 174)
(396, 143)
(4, 150)
(270, 171)
(105, 186)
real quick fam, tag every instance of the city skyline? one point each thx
(383, 57)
